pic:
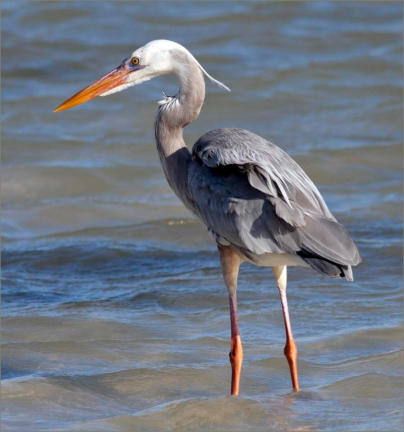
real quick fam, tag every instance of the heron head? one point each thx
(156, 58)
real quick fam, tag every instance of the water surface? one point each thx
(115, 316)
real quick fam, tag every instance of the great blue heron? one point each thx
(256, 200)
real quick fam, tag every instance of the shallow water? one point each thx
(115, 316)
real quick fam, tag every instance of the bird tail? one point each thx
(327, 247)
(326, 267)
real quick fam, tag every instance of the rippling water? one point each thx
(115, 316)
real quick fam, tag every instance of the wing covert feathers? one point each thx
(253, 194)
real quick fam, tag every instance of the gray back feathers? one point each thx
(269, 169)
(251, 193)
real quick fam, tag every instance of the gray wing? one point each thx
(252, 194)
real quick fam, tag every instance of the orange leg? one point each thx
(236, 348)
(230, 263)
(290, 350)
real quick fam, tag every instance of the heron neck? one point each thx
(173, 115)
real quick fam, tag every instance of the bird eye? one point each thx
(134, 61)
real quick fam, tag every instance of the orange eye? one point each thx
(134, 61)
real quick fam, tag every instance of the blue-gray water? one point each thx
(115, 316)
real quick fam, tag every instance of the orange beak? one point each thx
(113, 79)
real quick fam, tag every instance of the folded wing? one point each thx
(250, 193)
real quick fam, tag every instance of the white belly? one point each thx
(274, 260)
(264, 260)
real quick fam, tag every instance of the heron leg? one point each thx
(290, 350)
(230, 263)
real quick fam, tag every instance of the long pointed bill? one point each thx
(113, 79)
